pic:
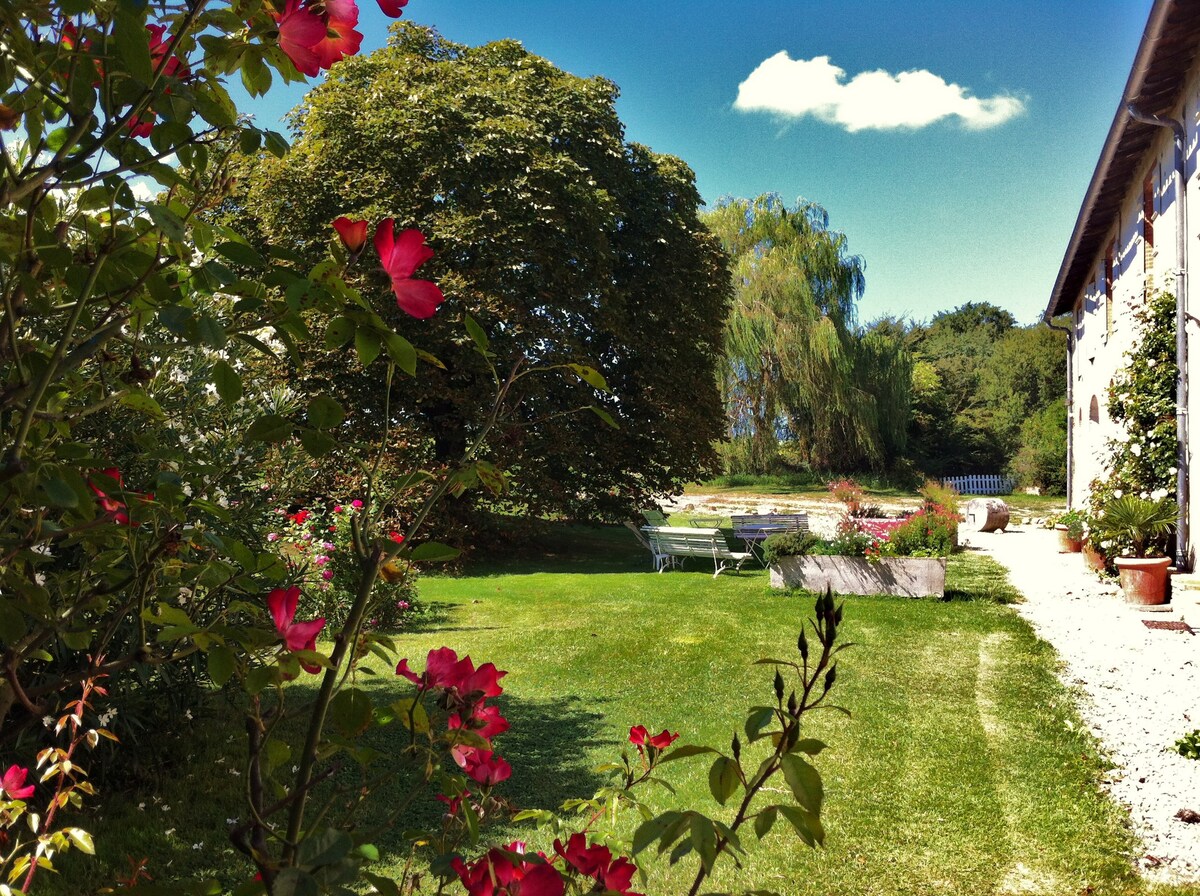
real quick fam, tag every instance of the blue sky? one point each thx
(974, 206)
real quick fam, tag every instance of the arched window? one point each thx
(1094, 410)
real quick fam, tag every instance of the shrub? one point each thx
(927, 533)
(790, 544)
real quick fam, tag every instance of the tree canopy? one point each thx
(797, 364)
(565, 243)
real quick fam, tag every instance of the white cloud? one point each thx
(870, 100)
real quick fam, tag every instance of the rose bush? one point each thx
(145, 430)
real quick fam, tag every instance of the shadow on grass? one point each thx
(563, 547)
(546, 747)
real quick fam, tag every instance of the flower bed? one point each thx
(870, 555)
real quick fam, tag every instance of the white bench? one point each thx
(670, 544)
(755, 528)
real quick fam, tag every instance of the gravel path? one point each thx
(1138, 687)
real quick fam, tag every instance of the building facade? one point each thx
(1126, 243)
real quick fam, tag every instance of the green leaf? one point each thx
(590, 375)
(411, 714)
(132, 42)
(57, 139)
(59, 492)
(402, 353)
(704, 841)
(806, 825)
(433, 552)
(227, 381)
(476, 333)
(339, 332)
(166, 221)
(249, 139)
(211, 332)
(240, 253)
(384, 886)
(325, 412)
(491, 477)
(809, 745)
(650, 831)
(294, 882)
(269, 428)
(723, 779)
(82, 840)
(214, 105)
(220, 664)
(276, 144)
(259, 678)
(804, 781)
(764, 821)
(758, 719)
(368, 345)
(138, 400)
(351, 712)
(12, 623)
(603, 415)
(316, 443)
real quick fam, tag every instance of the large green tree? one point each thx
(950, 431)
(563, 241)
(796, 362)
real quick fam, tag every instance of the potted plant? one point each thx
(1071, 529)
(1094, 554)
(1141, 524)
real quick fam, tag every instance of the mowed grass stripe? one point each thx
(963, 771)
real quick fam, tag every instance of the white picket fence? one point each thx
(984, 484)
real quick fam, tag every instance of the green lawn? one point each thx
(962, 771)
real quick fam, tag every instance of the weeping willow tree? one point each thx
(797, 364)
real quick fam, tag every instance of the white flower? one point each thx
(47, 721)
(1135, 449)
(1117, 493)
(1158, 494)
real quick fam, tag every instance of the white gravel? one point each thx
(1137, 687)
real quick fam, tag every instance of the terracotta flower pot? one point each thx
(1144, 579)
(1094, 558)
(1067, 544)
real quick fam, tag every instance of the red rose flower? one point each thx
(13, 781)
(401, 256)
(353, 234)
(296, 635)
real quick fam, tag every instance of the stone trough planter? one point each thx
(899, 576)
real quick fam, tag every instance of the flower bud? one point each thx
(793, 706)
(778, 685)
(830, 677)
(736, 746)
(802, 645)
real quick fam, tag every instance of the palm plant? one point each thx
(1139, 520)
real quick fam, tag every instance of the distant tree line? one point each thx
(807, 388)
